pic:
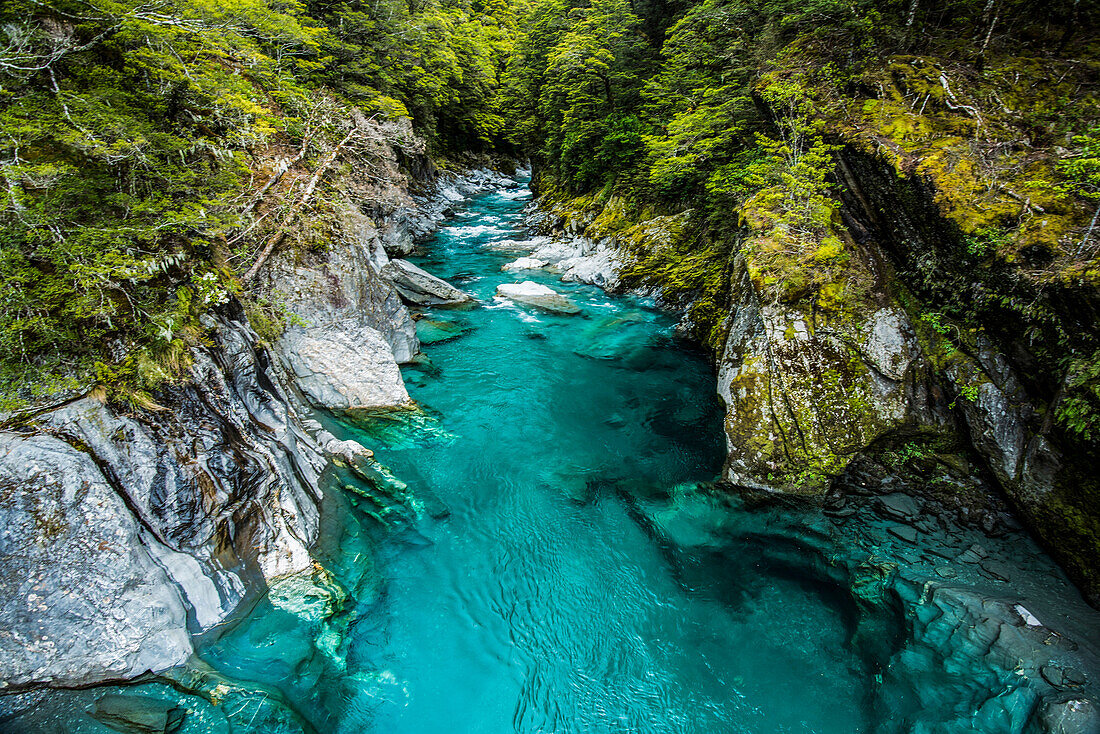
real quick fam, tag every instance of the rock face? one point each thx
(539, 296)
(1006, 392)
(182, 512)
(804, 395)
(340, 289)
(72, 551)
(421, 287)
(339, 370)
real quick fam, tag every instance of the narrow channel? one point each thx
(562, 561)
(543, 600)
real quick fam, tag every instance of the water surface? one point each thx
(569, 568)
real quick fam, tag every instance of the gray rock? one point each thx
(63, 525)
(524, 263)
(996, 569)
(420, 287)
(600, 269)
(904, 532)
(540, 296)
(340, 288)
(342, 369)
(898, 506)
(558, 250)
(1067, 716)
(890, 347)
(137, 714)
(974, 554)
(1062, 678)
(396, 235)
(209, 497)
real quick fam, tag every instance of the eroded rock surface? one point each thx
(421, 287)
(538, 295)
(178, 513)
(81, 596)
(340, 289)
(343, 369)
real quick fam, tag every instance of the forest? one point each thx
(132, 133)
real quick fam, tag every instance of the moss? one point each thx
(801, 413)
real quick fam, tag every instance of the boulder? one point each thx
(900, 507)
(540, 296)
(137, 714)
(805, 393)
(61, 525)
(339, 370)
(524, 263)
(421, 287)
(599, 269)
(557, 251)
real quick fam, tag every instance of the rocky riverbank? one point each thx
(185, 511)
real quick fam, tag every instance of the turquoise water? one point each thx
(541, 601)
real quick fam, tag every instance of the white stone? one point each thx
(537, 295)
(525, 263)
(418, 286)
(339, 370)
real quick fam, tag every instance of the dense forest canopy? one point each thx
(137, 137)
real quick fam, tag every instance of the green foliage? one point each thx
(129, 132)
(1079, 409)
(572, 85)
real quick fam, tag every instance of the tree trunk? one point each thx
(279, 236)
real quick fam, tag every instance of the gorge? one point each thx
(549, 366)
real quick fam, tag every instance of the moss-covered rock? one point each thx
(806, 391)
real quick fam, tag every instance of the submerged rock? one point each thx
(434, 331)
(138, 714)
(540, 296)
(421, 287)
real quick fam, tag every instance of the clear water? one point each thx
(542, 602)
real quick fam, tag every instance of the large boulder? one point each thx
(81, 596)
(421, 287)
(804, 394)
(340, 287)
(540, 296)
(339, 370)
